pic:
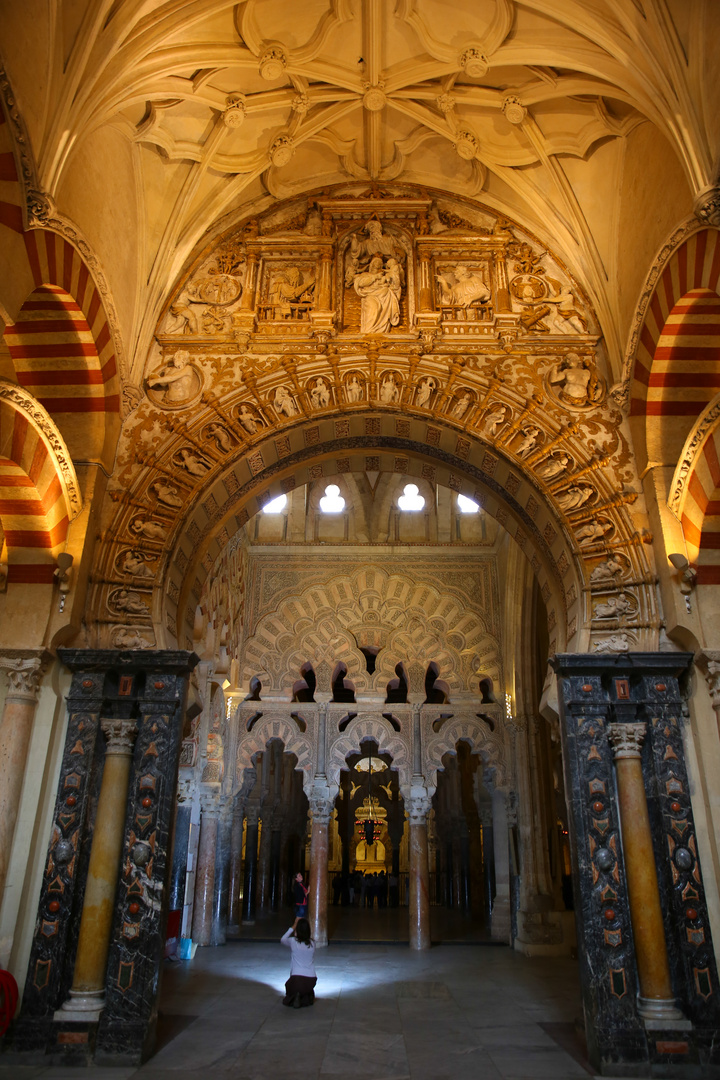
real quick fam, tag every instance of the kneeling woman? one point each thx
(300, 987)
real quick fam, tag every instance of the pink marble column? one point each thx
(321, 807)
(24, 675)
(419, 875)
(205, 874)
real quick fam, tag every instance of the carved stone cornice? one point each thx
(45, 426)
(25, 669)
(626, 739)
(120, 735)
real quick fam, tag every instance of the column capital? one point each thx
(120, 735)
(418, 808)
(25, 669)
(626, 739)
(252, 813)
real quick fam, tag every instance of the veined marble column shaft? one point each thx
(205, 874)
(656, 1001)
(419, 874)
(24, 674)
(87, 996)
(235, 869)
(319, 844)
(252, 816)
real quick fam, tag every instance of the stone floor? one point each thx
(382, 1013)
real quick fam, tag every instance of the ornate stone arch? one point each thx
(388, 741)
(490, 746)
(263, 731)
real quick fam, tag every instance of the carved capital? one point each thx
(120, 735)
(24, 675)
(626, 739)
(707, 206)
(252, 814)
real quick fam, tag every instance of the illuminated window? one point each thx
(467, 506)
(276, 506)
(411, 499)
(332, 501)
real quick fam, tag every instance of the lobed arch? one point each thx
(370, 728)
(39, 491)
(675, 351)
(489, 745)
(266, 729)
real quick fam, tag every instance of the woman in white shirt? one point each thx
(300, 987)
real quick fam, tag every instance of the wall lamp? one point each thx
(63, 575)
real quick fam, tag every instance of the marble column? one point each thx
(488, 849)
(235, 879)
(263, 871)
(275, 848)
(419, 874)
(205, 872)
(252, 817)
(500, 924)
(87, 995)
(178, 873)
(218, 932)
(24, 675)
(655, 1000)
(321, 806)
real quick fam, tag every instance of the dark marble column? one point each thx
(275, 846)
(263, 868)
(205, 872)
(488, 862)
(321, 806)
(465, 890)
(218, 932)
(501, 924)
(235, 879)
(252, 818)
(178, 872)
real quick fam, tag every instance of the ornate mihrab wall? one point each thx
(386, 330)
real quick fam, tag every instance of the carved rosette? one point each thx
(120, 735)
(626, 739)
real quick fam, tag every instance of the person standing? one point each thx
(300, 897)
(300, 987)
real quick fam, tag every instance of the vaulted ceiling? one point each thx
(595, 123)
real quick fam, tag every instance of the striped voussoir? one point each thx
(33, 508)
(700, 515)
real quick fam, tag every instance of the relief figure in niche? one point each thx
(166, 493)
(576, 384)
(221, 436)
(126, 638)
(284, 404)
(353, 390)
(424, 392)
(320, 394)
(190, 461)
(247, 420)
(134, 565)
(389, 390)
(461, 405)
(464, 290)
(575, 497)
(495, 419)
(178, 380)
(130, 602)
(379, 291)
(362, 251)
(554, 466)
(151, 529)
(614, 643)
(529, 442)
(291, 294)
(594, 531)
(608, 571)
(565, 318)
(614, 607)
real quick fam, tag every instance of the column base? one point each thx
(82, 1007)
(661, 1011)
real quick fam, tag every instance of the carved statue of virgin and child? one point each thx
(374, 269)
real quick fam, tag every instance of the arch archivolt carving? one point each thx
(388, 741)
(409, 618)
(255, 741)
(490, 746)
(496, 387)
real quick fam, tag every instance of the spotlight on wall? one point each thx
(688, 576)
(63, 571)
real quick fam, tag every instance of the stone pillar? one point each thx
(500, 923)
(205, 872)
(263, 871)
(656, 1000)
(178, 872)
(87, 995)
(321, 806)
(218, 932)
(275, 847)
(488, 848)
(252, 816)
(419, 874)
(235, 877)
(24, 675)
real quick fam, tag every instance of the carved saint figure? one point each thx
(461, 405)
(134, 564)
(529, 442)
(614, 643)
(220, 434)
(247, 420)
(150, 529)
(389, 391)
(424, 392)
(130, 602)
(575, 496)
(284, 403)
(362, 251)
(190, 461)
(178, 379)
(609, 570)
(379, 292)
(353, 390)
(593, 531)
(181, 310)
(320, 394)
(495, 419)
(166, 493)
(291, 293)
(555, 466)
(566, 317)
(614, 607)
(465, 289)
(125, 638)
(574, 380)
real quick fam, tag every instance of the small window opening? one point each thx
(332, 501)
(276, 506)
(411, 500)
(467, 506)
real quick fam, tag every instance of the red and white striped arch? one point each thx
(695, 494)
(39, 494)
(677, 362)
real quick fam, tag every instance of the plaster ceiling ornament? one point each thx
(375, 98)
(273, 63)
(281, 151)
(514, 110)
(466, 145)
(234, 113)
(177, 383)
(474, 62)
